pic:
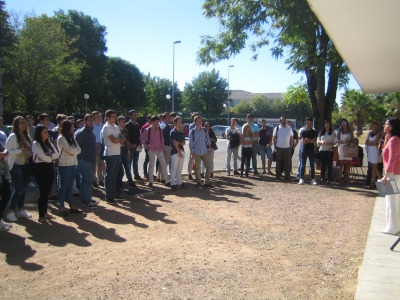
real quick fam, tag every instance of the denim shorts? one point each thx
(265, 150)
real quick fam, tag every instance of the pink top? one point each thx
(156, 142)
(391, 156)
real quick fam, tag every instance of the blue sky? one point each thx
(143, 32)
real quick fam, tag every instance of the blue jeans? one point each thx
(112, 167)
(135, 161)
(78, 178)
(87, 170)
(125, 164)
(311, 156)
(20, 179)
(254, 156)
(229, 151)
(67, 176)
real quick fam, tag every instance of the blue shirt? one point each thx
(96, 130)
(199, 141)
(87, 142)
(166, 132)
(254, 128)
(178, 136)
(192, 126)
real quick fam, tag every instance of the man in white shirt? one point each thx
(283, 142)
(113, 139)
(233, 138)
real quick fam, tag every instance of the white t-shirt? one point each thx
(283, 137)
(300, 141)
(229, 131)
(110, 147)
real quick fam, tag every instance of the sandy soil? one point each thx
(246, 238)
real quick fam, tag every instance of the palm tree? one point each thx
(393, 100)
(356, 107)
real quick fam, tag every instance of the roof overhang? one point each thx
(367, 35)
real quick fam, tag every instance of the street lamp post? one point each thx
(173, 74)
(231, 66)
(86, 96)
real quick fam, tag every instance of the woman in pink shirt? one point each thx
(391, 162)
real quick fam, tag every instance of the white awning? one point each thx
(367, 35)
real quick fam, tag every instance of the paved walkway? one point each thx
(379, 275)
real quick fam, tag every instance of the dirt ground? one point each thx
(246, 238)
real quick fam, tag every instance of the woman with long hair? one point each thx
(45, 154)
(213, 139)
(372, 146)
(344, 137)
(247, 149)
(391, 161)
(19, 147)
(69, 149)
(326, 141)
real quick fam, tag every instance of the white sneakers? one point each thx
(313, 181)
(32, 184)
(23, 214)
(5, 226)
(11, 216)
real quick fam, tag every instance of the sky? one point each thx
(143, 32)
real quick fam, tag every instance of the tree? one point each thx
(297, 101)
(393, 102)
(36, 70)
(88, 37)
(125, 85)
(206, 93)
(7, 32)
(356, 107)
(259, 104)
(156, 91)
(294, 27)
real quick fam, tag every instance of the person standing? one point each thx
(134, 142)
(283, 141)
(372, 144)
(3, 127)
(213, 140)
(295, 142)
(265, 144)
(31, 128)
(200, 149)
(4, 187)
(166, 130)
(153, 140)
(326, 141)
(190, 161)
(247, 144)
(19, 148)
(256, 131)
(87, 160)
(233, 142)
(125, 155)
(45, 154)
(391, 161)
(99, 165)
(67, 163)
(177, 154)
(344, 137)
(113, 139)
(309, 138)
(146, 159)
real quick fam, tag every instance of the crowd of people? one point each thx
(79, 155)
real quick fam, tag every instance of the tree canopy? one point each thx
(206, 93)
(293, 27)
(35, 69)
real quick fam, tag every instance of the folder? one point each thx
(390, 188)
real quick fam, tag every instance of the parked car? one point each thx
(219, 130)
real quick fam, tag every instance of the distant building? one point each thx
(237, 95)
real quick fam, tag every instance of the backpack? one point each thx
(236, 140)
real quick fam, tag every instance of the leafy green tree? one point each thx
(259, 104)
(294, 28)
(7, 32)
(156, 90)
(297, 101)
(393, 104)
(36, 73)
(356, 107)
(243, 107)
(206, 93)
(125, 85)
(88, 37)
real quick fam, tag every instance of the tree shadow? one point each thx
(55, 234)
(17, 252)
